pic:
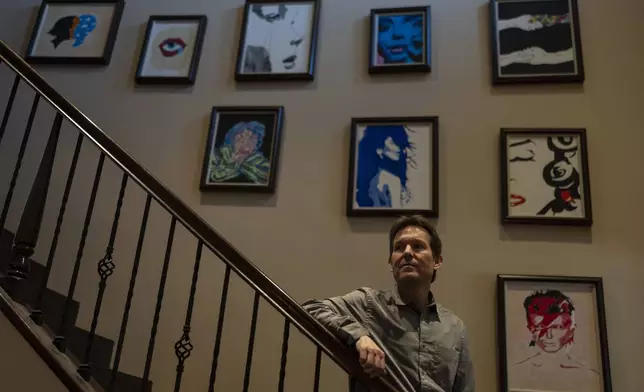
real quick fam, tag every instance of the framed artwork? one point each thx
(545, 177)
(278, 40)
(552, 334)
(75, 32)
(536, 41)
(171, 49)
(242, 153)
(393, 167)
(400, 40)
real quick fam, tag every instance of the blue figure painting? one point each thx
(400, 39)
(384, 158)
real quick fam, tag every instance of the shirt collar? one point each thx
(398, 301)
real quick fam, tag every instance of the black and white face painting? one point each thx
(536, 38)
(278, 38)
(544, 176)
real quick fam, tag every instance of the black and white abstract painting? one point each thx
(536, 41)
(545, 176)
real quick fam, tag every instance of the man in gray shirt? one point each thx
(403, 334)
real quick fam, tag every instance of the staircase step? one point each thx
(53, 303)
(124, 382)
(102, 348)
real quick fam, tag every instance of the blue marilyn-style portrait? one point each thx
(384, 159)
(400, 39)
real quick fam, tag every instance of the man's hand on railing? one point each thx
(372, 358)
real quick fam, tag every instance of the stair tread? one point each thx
(102, 347)
(124, 382)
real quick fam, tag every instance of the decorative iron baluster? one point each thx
(183, 347)
(36, 313)
(318, 363)
(60, 341)
(280, 386)
(251, 342)
(157, 310)
(105, 270)
(220, 328)
(7, 111)
(27, 234)
(21, 154)
(130, 293)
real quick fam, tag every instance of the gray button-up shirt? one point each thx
(424, 352)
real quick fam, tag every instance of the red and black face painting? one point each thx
(550, 320)
(562, 175)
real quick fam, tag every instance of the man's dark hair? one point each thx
(403, 222)
(554, 308)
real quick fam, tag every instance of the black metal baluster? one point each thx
(21, 154)
(105, 270)
(60, 341)
(7, 111)
(352, 384)
(251, 343)
(318, 362)
(36, 313)
(220, 328)
(157, 310)
(130, 293)
(29, 228)
(280, 386)
(183, 347)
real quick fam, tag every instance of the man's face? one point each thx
(412, 260)
(551, 330)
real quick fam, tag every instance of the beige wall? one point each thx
(21, 369)
(300, 236)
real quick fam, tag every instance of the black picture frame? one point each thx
(523, 32)
(569, 156)
(424, 65)
(191, 76)
(105, 55)
(253, 164)
(550, 291)
(307, 73)
(399, 131)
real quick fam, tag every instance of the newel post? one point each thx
(27, 234)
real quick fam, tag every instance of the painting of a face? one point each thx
(392, 167)
(551, 333)
(400, 38)
(550, 317)
(241, 149)
(170, 49)
(245, 142)
(277, 38)
(544, 175)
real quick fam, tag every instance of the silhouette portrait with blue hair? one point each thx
(384, 157)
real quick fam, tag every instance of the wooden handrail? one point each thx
(344, 356)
